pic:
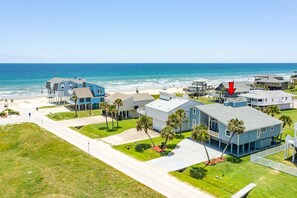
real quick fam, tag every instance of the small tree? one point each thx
(236, 127)
(271, 110)
(118, 102)
(113, 111)
(173, 121)
(181, 115)
(200, 134)
(144, 123)
(105, 107)
(168, 133)
(286, 120)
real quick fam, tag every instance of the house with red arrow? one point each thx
(261, 130)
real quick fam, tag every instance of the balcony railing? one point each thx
(213, 133)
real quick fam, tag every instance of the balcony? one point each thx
(213, 133)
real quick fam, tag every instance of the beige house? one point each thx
(131, 102)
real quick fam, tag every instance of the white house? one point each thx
(160, 109)
(262, 98)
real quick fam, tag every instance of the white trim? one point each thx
(263, 131)
(271, 128)
(258, 133)
(194, 111)
(226, 133)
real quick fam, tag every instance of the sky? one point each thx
(144, 31)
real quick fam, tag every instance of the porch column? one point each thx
(209, 140)
(78, 107)
(249, 147)
(238, 149)
(219, 143)
(231, 148)
(243, 148)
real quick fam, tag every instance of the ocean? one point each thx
(29, 79)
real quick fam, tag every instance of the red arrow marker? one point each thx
(231, 88)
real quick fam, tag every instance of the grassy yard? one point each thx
(289, 130)
(279, 157)
(292, 92)
(142, 150)
(35, 163)
(71, 114)
(236, 174)
(100, 130)
(203, 100)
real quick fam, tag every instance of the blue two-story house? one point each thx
(88, 96)
(260, 132)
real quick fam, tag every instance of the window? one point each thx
(227, 133)
(272, 99)
(265, 100)
(88, 99)
(263, 130)
(271, 128)
(258, 133)
(70, 86)
(194, 111)
(62, 86)
(286, 98)
(99, 90)
(81, 100)
(194, 122)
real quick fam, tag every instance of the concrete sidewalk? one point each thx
(83, 121)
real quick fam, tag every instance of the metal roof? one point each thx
(262, 94)
(169, 105)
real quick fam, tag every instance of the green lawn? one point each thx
(203, 100)
(47, 107)
(100, 130)
(142, 150)
(279, 157)
(71, 115)
(236, 174)
(292, 92)
(36, 163)
(289, 130)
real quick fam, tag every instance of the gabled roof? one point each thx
(252, 118)
(269, 79)
(118, 95)
(261, 94)
(60, 80)
(142, 97)
(169, 105)
(241, 86)
(82, 92)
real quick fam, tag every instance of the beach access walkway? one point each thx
(151, 176)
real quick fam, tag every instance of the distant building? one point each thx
(131, 103)
(197, 88)
(167, 104)
(294, 77)
(271, 82)
(260, 128)
(221, 91)
(262, 98)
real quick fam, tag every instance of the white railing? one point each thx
(258, 158)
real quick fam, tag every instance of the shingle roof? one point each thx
(59, 80)
(270, 79)
(252, 118)
(142, 97)
(261, 94)
(241, 86)
(117, 95)
(82, 92)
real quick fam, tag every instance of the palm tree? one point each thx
(105, 107)
(145, 123)
(119, 103)
(272, 109)
(168, 133)
(113, 111)
(236, 127)
(181, 115)
(286, 120)
(173, 121)
(75, 98)
(200, 134)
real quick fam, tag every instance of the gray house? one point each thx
(271, 82)
(260, 128)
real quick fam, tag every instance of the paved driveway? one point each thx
(130, 135)
(186, 153)
(83, 121)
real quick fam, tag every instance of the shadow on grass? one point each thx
(198, 172)
(234, 160)
(109, 129)
(172, 146)
(142, 147)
